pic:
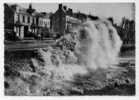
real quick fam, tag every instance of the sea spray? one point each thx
(97, 45)
(64, 69)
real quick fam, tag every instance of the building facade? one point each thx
(27, 22)
(24, 22)
(43, 24)
(127, 32)
(63, 20)
(44, 20)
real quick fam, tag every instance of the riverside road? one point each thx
(27, 44)
(36, 44)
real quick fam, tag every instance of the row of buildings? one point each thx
(64, 19)
(22, 22)
(126, 31)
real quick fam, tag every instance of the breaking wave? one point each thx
(97, 46)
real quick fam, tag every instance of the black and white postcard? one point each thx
(69, 49)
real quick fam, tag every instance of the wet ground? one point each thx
(119, 81)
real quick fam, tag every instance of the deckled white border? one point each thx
(2, 97)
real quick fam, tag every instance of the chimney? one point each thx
(60, 6)
(65, 8)
(30, 10)
(68, 10)
(30, 6)
(14, 6)
(71, 11)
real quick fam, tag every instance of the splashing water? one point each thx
(97, 46)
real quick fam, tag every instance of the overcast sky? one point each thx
(115, 10)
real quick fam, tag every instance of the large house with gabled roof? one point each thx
(21, 22)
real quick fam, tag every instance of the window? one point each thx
(18, 18)
(40, 22)
(23, 18)
(33, 20)
(28, 19)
